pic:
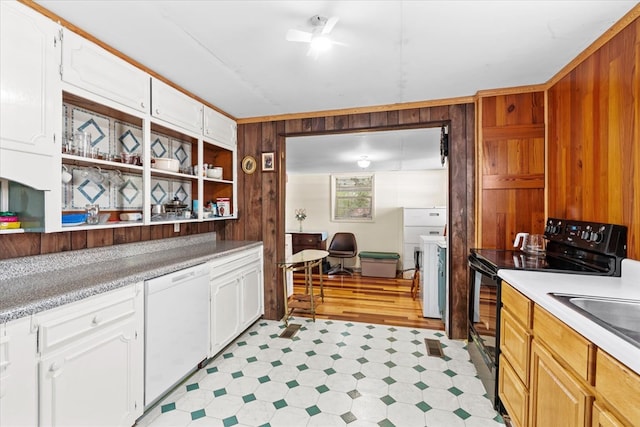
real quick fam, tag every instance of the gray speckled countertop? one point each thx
(29, 285)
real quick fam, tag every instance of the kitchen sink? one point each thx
(620, 316)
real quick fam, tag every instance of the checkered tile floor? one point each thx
(331, 373)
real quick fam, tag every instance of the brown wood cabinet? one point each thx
(603, 418)
(552, 376)
(515, 349)
(557, 398)
(577, 352)
(620, 388)
(301, 241)
(562, 373)
(514, 395)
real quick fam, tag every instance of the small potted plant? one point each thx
(301, 215)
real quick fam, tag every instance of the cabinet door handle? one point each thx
(55, 367)
(142, 104)
(157, 111)
(96, 320)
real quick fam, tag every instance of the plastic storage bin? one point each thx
(379, 264)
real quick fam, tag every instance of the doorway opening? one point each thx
(408, 172)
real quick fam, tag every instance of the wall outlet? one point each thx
(176, 227)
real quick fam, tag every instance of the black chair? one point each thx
(343, 245)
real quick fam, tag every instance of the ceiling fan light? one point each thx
(364, 162)
(320, 44)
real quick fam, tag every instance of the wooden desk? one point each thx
(313, 240)
(304, 260)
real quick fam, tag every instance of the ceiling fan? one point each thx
(318, 37)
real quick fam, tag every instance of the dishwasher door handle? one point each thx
(182, 277)
(162, 283)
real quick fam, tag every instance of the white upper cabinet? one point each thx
(219, 127)
(90, 67)
(173, 106)
(31, 97)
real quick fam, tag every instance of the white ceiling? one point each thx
(398, 150)
(233, 54)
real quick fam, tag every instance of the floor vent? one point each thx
(434, 348)
(290, 330)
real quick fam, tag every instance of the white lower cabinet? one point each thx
(82, 363)
(18, 374)
(236, 295)
(225, 311)
(90, 370)
(251, 294)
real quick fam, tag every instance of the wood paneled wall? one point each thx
(262, 194)
(594, 138)
(511, 168)
(27, 244)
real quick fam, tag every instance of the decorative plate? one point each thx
(249, 164)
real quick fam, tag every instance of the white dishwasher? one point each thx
(176, 328)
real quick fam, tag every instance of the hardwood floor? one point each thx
(367, 299)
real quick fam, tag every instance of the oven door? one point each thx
(484, 325)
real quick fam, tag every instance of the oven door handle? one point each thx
(482, 270)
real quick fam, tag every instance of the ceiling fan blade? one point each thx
(298, 36)
(330, 24)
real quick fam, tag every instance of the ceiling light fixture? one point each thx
(320, 44)
(364, 162)
(318, 38)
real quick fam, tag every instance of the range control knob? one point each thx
(586, 233)
(598, 236)
(552, 228)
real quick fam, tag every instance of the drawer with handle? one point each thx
(62, 325)
(306, 239)
(225, 264)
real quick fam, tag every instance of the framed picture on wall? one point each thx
(268, 162)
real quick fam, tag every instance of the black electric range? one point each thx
(574, 247)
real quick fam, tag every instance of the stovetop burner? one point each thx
(572, 247)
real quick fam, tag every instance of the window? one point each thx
(352, 198)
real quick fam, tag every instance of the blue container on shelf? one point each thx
(77, 218)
